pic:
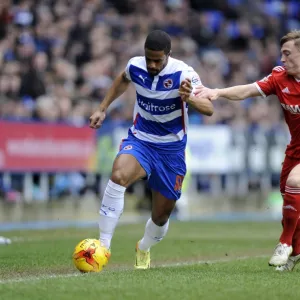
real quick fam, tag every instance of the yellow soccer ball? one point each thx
(90, 256)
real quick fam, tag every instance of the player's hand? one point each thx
(97, 119)
(204, 92)
(185, 89)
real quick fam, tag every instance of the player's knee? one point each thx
(120, 177)
(293, 181)
(160, 220)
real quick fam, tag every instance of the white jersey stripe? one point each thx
(158, 118)
(279, 68)
(160, 95)
(154, 84)
(153, 138)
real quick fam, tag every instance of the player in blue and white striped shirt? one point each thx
(154, 148)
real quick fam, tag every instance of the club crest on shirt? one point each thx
(168, 83)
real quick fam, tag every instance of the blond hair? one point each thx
(291, 36)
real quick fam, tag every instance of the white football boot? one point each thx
(290, 265)
(281, 255)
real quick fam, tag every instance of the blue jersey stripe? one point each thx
(170, 147)
(141, 77)
(158, 107)
(157, 128)
(169, 82)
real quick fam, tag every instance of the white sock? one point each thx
(153, 235)
(110, 211)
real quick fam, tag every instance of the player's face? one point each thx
(155, 61)
(290, 57)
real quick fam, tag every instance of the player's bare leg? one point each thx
(291, 214)
(126, 170)
(155, 230)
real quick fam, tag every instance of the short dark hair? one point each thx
(158, 40)
(291, 36)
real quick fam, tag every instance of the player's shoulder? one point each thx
(179, 65)
(185, 70)
(280, 75)
(279, 71)
(138, 61)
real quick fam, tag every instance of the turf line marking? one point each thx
(207, 262)
(169, 265)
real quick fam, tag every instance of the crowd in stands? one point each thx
(59, 57)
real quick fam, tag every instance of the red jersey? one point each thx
(287, 89)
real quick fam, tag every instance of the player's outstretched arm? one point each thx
(202, 105)
(234, 93)
(118, 87)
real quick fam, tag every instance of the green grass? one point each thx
(195, 261)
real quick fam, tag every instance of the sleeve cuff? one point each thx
(260, 90)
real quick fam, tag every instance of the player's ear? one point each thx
(169, 54)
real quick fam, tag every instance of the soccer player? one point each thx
(154, 148)
(284, 81)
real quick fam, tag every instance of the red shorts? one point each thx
(287, 166)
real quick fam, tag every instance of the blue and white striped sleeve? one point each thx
(192, 75)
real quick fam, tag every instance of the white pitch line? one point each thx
(170, 265)
(202, 262)
(37, 278)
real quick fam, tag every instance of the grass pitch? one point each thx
(197, 260)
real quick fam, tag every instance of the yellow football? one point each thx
(90, 256)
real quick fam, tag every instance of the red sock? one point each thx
(296, 240)
(291, 213)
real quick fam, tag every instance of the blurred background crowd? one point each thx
(59, 57)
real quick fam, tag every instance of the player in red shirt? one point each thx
(284, 81)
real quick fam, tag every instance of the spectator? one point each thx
(53, 55)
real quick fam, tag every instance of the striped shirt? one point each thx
(160, 116)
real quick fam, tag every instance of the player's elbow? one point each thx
(209, 112)
(206, 107)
